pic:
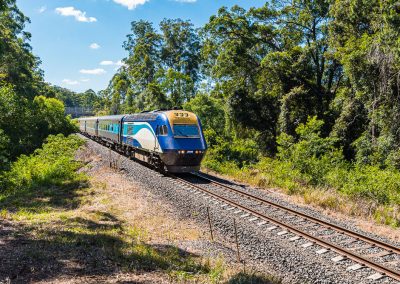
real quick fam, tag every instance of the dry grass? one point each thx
(124, 199)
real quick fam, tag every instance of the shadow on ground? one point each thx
(44, 198)
(251, 278)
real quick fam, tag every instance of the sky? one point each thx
(80, 41)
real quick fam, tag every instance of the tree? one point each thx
(178, 85)
(153, 98)
(180, 59)
(210, 111)
(143, 47)
(365, 37)
(18, 66)
(4, 153)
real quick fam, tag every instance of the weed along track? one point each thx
(272, 232)
(366, 251)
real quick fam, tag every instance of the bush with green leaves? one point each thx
(24, 124)
(370, 182)
(53, 164)
(236, 152)
(312, 155)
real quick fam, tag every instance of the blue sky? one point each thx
(80, 41)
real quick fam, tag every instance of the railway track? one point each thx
(364, 250)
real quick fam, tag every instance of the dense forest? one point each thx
(303, 95)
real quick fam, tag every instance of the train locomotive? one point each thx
(170, 140)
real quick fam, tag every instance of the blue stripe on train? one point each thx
(136, 128)
(131, 141)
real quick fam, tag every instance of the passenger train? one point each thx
(169, 140)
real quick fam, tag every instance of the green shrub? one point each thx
(238, 152)
(53, 164)
(313, 156)
(370, 182)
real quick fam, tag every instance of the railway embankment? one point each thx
(292, 259)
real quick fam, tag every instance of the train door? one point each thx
(96, 127)
(156, 142)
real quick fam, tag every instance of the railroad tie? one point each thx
(380, 254)
(306, 245)
(375, 276)
(295, 238)
(322, 251)
(355, 267)
(338, 258)
(262, 223)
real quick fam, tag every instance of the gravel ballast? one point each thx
(271, 249)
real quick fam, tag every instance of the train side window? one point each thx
(163, 130)
(130, 130)
(157, 130)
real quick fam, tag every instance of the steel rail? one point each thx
(324, 243)
(375, 242)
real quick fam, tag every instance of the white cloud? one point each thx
(186, 1)
(85, 80)
(94, 46)
(78, 14)
(42, 9)
(112, 63)
(70, 82)
(131, 4)
(97, 71)
(106, 62)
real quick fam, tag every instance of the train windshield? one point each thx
(186, 130)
